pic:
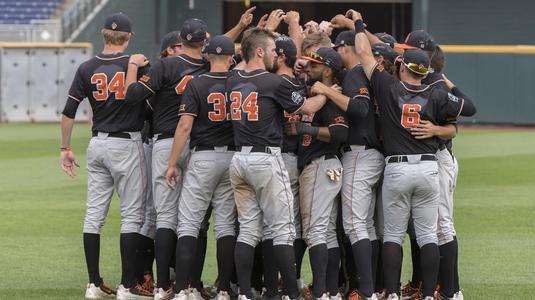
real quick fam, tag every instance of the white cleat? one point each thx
(161, 294)
(243, 297)
(392, 296)
(458, 295)
(373, 297)
(222, 295)
(337, 297)
(95, 292)
(194, 295)
(324, 297)
(181, 296)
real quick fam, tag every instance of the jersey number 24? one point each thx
(237, 105)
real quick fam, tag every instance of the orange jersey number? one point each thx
(410, 116)
(116, 86)
(219, 113)
(181, 86)
(248, 105)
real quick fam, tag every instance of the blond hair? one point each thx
(316, 39)
(115, 37)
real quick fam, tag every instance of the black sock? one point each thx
(186, 250)
(258, 269)
(456, 286)
(129, 244)
(392, 258)
(299, 248)
(362, 253)
(244, 259)
(285, 260)
(430, 258)
(333, 268)
(271, 274)
(379, 282)
(92, 254)
(148, 248)
(198, 261)
(416, 267)
(225, 261)
(446, 269)
(375, 258)
(348, 262)
(164, 250)
(319, 256)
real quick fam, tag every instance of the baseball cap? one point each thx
(386, 51)
(170, 39)
(386, 38)
(118, 22)
(220, 45)
(416, 61)
(193, 30)
(419, 39)
(328, 57)
(345, 38)
(285, 45)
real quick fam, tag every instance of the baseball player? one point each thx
(167, 81)
(411, 174)
(362, 160)
(321, 177)
(257, 173)
(114, 156)
(206, 180)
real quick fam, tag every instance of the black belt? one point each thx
(262, 149)
(122, 135)
(163, 136)
(348, 148)
(403, 158)
(330, 156)
(211, 148)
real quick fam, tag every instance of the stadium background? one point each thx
(42, 210)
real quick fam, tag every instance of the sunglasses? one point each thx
(316, 56)
(418, 69)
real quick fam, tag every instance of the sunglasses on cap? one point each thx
(418, 69)
(315, 57)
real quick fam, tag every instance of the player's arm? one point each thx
(426, 129)
(312, 104)
(182, 132)
(245, 20)
(468, 107)
(356, 106)
(147, 85)
(135, 62)
(362, 44)
(295, 32)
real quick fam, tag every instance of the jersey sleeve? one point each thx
(380, 81)
(288, 96)
(357, 89)
(449, 107)
(189, 104)
(336, 121)
(76, 95)
(154, 78)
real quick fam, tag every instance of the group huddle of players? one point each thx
(291, 142)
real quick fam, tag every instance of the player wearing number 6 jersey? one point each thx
(167, 81)
(257, 172)
(411, 174)
(115, 157)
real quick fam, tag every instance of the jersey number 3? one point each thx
(116, 85)
(410, 116)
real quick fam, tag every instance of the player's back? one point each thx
(102, 80)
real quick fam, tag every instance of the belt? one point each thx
(211, 148)
(163, 136)
(403, 158)
(330, 156)
(262, 149)
(325, 157)
(122, 135)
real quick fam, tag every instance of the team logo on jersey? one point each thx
(363, 91)
(339, 120)
(306, 140)
(182, 107)
(453, 98)
(144, 78)
(380, 68)
(296, 97)
(113, 25)
(218, 50)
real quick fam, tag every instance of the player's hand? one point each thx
(68, 162)
(424, 130)
(319, 88)
(172, 176)
(291, 17)
(274, 19)
(246, 18)
(448, 82)
(353, 15)
(336, 87)
(139, 59)
(300, 65)
(326, 27)
(262, 22)
(340, 21)
(311, 27)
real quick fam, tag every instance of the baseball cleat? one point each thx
(325, 296)
(194, 295)
(337, 297)
(148, 282)
(243, 297)
(409, 292)
(458, 295)
(181, 296)
(392, 296)
(354, 295)
(134, 293)
(161, 294)
(97, 292)
(222, 295)
(256, 294)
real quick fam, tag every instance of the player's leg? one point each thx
(148, 230)
(396, 195)
(166, 205)
(425, 217)
(99, 193)
(333, 260)
(379, 231)
(456, 285)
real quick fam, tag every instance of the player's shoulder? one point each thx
(294, 82)
(208, 79)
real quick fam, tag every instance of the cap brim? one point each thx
(312, 60)
(404, 46)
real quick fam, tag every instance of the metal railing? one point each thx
(76, 17)
(36, 31)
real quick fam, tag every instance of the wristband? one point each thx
(307, 129)
(65, 149)
(359, 26)
(133, 63)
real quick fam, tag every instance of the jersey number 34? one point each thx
(116, 86)
(237, 107)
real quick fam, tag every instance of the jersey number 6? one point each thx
(410, 116)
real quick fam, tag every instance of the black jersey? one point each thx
(102, 81)
(256, 101)
(204, 98)
(167, 80)
(362, 129)
(290, 143)
(436, 81)
(310, 148)
(402, 106)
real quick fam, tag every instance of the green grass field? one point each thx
(41, 254)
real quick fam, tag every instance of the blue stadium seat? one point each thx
(24, 11)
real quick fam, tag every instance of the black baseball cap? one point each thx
(193, 30)
(170, 39)
(118, 22)
(220, 45)
(285, 45)
(419, 39)
(416, 61)
(386, 38)
(385, 51)
(345, 38)
(328, 57)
